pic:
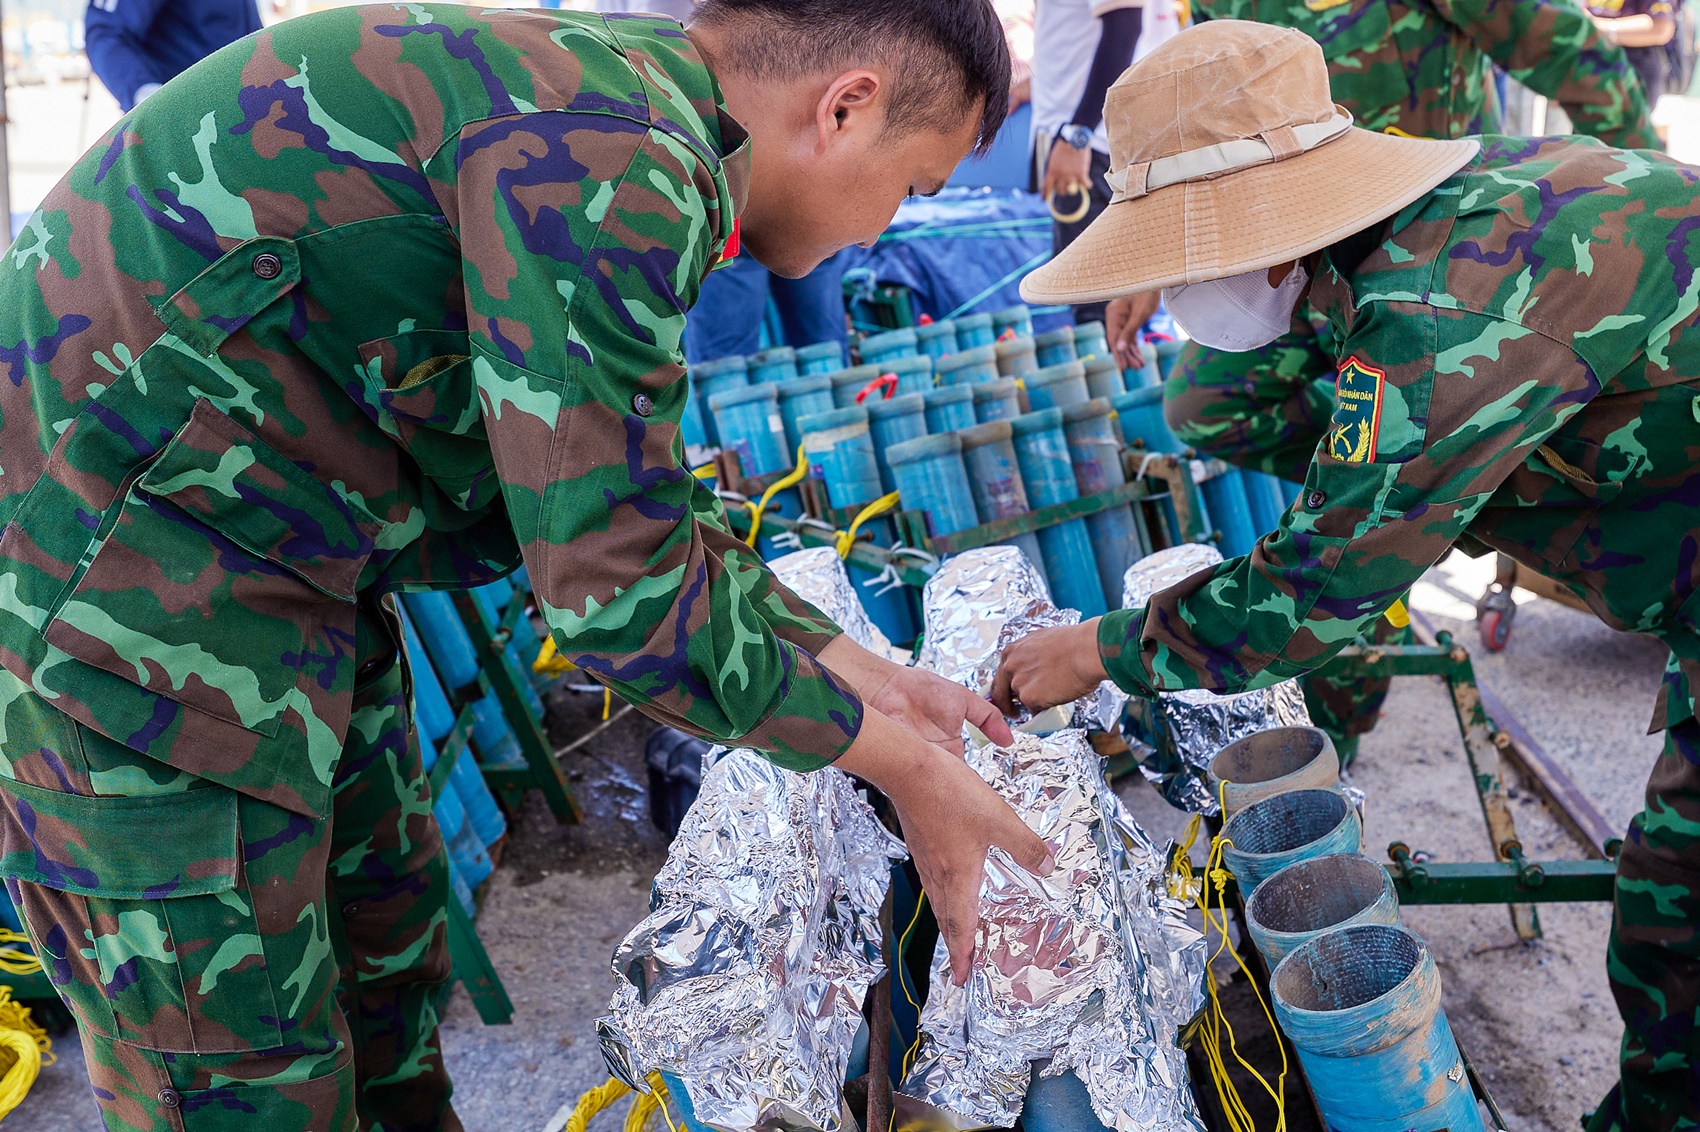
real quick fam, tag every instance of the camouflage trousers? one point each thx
(284, 978)
(1653, 957)
(1266, 411)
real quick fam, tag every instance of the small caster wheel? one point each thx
(1495, 629)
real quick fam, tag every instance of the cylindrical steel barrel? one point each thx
(1300, 902)
(1269, 835)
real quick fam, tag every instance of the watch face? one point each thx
(1077, 136)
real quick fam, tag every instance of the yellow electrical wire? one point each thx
(15, 960)
(24, 1047)
(902, 946)
(790, 479)
(638, 1117)
(1215, 1021)
(847, 539)
(704, 471)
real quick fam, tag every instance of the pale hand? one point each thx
(927, 705)
(1068, 173)
(1123, 319)
(950, 819)
(1048, 667)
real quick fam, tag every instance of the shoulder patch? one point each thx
(1357, 412)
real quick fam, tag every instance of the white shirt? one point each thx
(1065, 36)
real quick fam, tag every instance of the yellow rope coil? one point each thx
(640, 1117)
(15, 959)
(24, 1046)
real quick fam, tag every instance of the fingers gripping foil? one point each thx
(1093, 967)
(747, 978)
(1175, 736)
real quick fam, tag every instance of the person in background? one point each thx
(136, 46)
(728, 316)
(1642, 28)
(1079, 48)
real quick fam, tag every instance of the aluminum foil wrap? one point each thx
(982, 600)
(1175, 736)
(817, 576)
(747, 978)
(1093, 968)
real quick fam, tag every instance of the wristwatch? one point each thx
(1076, 135)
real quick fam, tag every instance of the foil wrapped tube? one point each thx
(1092, 969)
(1174, 736)
(747, 978)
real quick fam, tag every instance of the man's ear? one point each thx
(849, 104)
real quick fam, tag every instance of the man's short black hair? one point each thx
(946, 55)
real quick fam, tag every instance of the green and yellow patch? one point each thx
(1357, 413)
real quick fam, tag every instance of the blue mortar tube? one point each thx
(949, 408)
(1018, 318)
(974, 330)
(1268, 504)
(711, 377)
(777, 363)
(968, 367)
(1055, 347)
(821, 357)
(846, 383)
(749, 424)
(1284, 829)
(1148, 373)
(914, 375)
(840, 451)
(1140, 413)
(1302, 901)
(1104, 377)
(800, 397)
(451, 819)
(1168, 352)
(1055, 387)
(994, 476)
(1096, 453)
(482, 813)
(1230, 512)
(692, 431)
(1362, 1006)
(1058, 1104)
(1071, 568)
(931, 477)
(1089, 341)
(1017, 357)
(892, 422)
(519, 668)
(452, 655)
(431, 711)
(1291, 491)
(936, 339)
(996, 400)
(899, 343)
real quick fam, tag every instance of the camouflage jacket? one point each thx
(381, 299)
(1426, 66)
(1519, 369)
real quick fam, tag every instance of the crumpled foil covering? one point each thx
(1175, 737)
(747, 978)
(1093, 967)
(982, 600)
(817, 576)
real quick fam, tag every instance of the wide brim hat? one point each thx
(1228, 155)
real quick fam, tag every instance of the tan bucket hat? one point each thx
(1227, 155)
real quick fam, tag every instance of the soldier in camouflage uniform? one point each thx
(388, 298)
(1423, 67)
(1518, 371)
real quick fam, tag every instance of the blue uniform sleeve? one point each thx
(115, 34)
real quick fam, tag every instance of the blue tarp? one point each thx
(963, 251)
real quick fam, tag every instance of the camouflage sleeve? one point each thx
(1552, 48)
(585, 236)
(1435, 409)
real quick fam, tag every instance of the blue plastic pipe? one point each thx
(1096, 453)
(1268, 504)
(994, 476)
(1070, 566)
(1017, 318)
(1230, 511)
(949, 407)
(1140, 413)
(821, 357)
(974, 330)
(848, 382)
(1089, 341)
(1284, 829)
(777, 363)
(711, 377)
(1054, 347)
(968, 367)
(1302, 901)
(1104, 377)
(931, 477)
(519, 666)
(996, 400)
(893, 421)
(840, 450)
(1362, 1007)
(452, 655)
(1055, 387)
(914, 375)
(899, 343)
(936, 339)
(749, 424)
(1017, 357)
(800, 397)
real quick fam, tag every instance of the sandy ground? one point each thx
(1538, 1019)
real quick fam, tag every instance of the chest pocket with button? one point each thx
(421, 384)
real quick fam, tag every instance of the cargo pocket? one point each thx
(136, 907)
(422, 385)
(225, 582)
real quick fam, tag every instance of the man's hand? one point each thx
(928, 706)
(1048, 667)
(1068, 173)
(1123, 319)
(950, 819)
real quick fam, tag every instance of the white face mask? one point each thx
(1241, 312)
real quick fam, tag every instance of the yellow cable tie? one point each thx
(549, 661)
(705, 472)
(1397, 615)
(607, 702)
